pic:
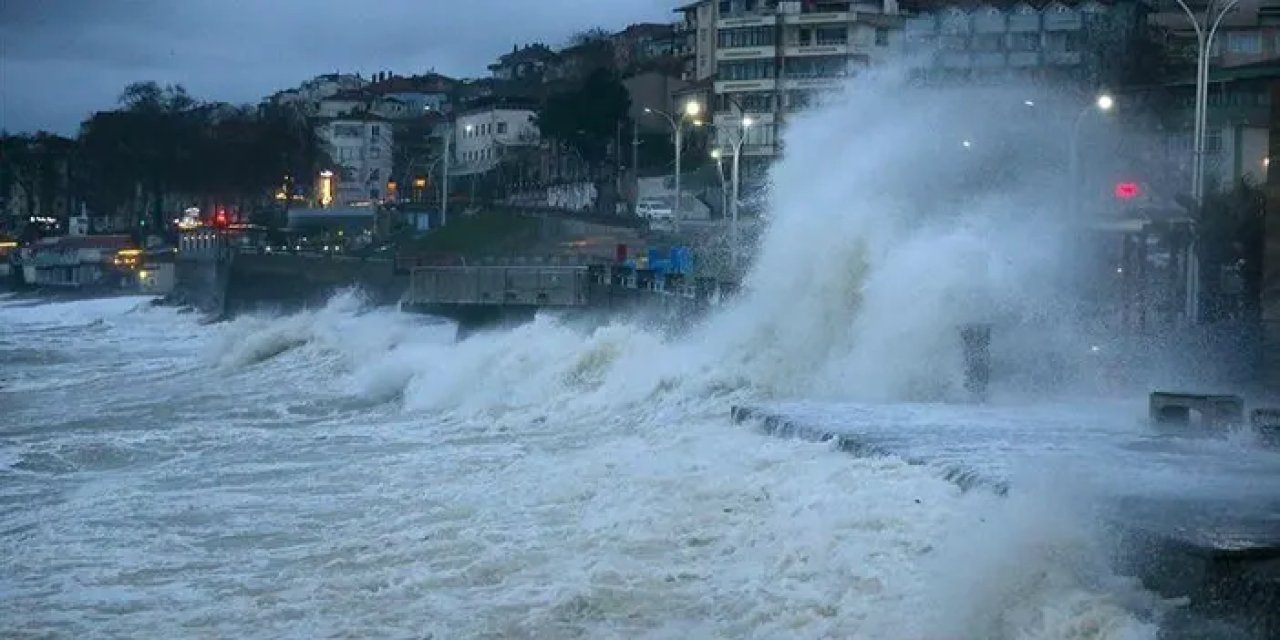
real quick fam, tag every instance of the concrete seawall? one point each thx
(285, 282)
(245, 282)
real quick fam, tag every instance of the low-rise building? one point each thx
(486, 135)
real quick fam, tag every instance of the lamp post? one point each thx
(1205, 32)
(1103, 103)
(736, 143)
(691, 109)
(444, 171)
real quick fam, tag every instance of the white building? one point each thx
(485, 135)
(770, 57)
(362, 150)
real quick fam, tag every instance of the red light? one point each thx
(220, 219)
(1127, 190)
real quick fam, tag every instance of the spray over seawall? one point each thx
(900, 213)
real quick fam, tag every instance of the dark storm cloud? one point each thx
(62, 59)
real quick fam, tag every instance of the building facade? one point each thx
(1248, 34)
(485, 136)
(361, 148)
(768, 58)
(1086, 44)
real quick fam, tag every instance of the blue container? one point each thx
(682, 260)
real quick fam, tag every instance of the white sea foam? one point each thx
(552, 481)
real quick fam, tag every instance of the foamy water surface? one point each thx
(347, 472)
(323, 475)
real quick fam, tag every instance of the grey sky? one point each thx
(62, 59)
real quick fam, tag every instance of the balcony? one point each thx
(1063, 21)
(989, 59)
(819, 18)
(1024, 59)
(809, 84)
(746, 53)
(724, 121)
(1024, 22)
(925, 24)
(818, 50)
(1062, 58)
(737, 86)
(990, 22)
(750, 20)
(956, 60)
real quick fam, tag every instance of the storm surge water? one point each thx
(354, 472)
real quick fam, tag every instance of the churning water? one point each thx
(353, 472)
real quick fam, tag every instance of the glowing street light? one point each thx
(690, 110)
(1103, 103)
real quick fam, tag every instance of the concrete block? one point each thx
(1170, 408)
(1266, 423)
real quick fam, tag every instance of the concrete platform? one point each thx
(1198, 511)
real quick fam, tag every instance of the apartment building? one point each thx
(1062, 42)
(361, 146)
(771, 57)
(1248, 34)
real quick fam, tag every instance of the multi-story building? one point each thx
(1087, 44)
(486, 135)
(361, 147)
(641, 43)
(1250, 33)
(771, 57)
(523, 64)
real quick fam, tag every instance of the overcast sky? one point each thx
(60, 60)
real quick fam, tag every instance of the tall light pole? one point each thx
(691, 109)
(718, 156)
(1103, 103)
(1205, 31)
(444, 170)
(736, 143)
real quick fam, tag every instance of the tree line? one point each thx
(160, 143)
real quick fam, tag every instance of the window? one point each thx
(986, 43)
(751, 102)
(346, 153)
(1024, 41)
(804, 37)
(747, 37)
(375, 152)
(346, 131)
(1244, 43)
(882, 37)
(502, 127)
(375, 130)
(746, 70)
(726, 7)
(818, 67)
(832, 35)
(1213, 141)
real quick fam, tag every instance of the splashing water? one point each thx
(354, 471)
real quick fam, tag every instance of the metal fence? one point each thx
(536, 286)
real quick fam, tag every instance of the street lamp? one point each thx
(691, 110)
(718, 156)
(444, 173)
(1102, 103)
(1205, 32)
(736, 143)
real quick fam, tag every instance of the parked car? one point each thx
(658, 211)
